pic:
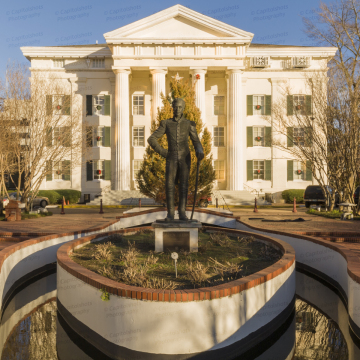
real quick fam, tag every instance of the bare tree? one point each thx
(338, 26)
(43, 131)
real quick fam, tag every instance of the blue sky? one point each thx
(48, 23)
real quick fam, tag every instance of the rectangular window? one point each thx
(299, 104)
(58, 105)
(219, 105)
(299, 169)
(219, 136)
(98, 63)
(139, 136)
(57, 169)
(98, 169)
(99, 136)
(299, 137)
(136, 167)
(138, 105)
(99, 104)
(219, 167)
(58, 63)
(259, 104)
(57, 136)
(259, 136)
(259, 167)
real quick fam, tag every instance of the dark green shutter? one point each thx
(290, 137)
(308, 104)
(249, 104)
(48, 104)
(250, 170)
(267, 169)
(49, 136)
(267, 104)
(49, 171)
(107, 141)
(88, 105)
(249, 139)
(66, 136)
(66, 104)
(107, 105)
(308, 170)
(290, 105)
(290, 170)
(89, 136)
(89, 171)
(107, 167)
(308, 136)
(268, 136)
(66, 170)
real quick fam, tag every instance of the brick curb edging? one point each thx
(186, 295)
(353, 263)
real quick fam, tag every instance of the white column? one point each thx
(236, 136)
(158, 87)
(122, 130)
(198, 77)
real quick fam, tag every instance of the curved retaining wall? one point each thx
(218, 322)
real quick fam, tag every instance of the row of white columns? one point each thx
(121, 143)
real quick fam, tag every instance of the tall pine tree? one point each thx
(151, 177)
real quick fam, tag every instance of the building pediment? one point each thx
(178, 24)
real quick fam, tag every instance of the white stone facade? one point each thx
(136, 65)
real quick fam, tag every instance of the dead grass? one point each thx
(131, 259)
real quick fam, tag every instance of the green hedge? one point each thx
(70, 195)
(290, 194)
(55, 196)
(52, 195)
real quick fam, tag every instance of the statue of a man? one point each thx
(178, 159)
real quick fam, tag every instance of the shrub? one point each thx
(52, 195)
(70, 195)
(290, 194)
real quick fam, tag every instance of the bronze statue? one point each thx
(178, 159)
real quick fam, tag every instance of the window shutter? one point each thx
(107, 141)
(308, 136)
(66, 136)
(250, 139)
(49, 170)
(89, 171)
(290, 137)
(290, 170)
(290, 105)
(107, 105)
(49, 136)
(250, 170)
(308, 104)
(88, 105)
(267, 169)
(249, 104)
(48, 104)
(308, 171)
(89, 136)
(267, 104)
(107, 168)
(268, 136)
(66, 170)
(66, 104)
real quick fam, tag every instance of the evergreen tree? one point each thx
(151, 177)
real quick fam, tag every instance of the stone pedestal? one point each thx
(176, 235)
(12, 211)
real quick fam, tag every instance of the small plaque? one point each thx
(176, 240)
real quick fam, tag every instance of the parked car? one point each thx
(3, 202)
(314, 195)
(202, 202)
(356, 195)
(41, 201)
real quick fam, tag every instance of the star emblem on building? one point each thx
(177, 77)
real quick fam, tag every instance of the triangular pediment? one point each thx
(178, 23)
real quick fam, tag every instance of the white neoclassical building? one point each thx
(119, 84)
